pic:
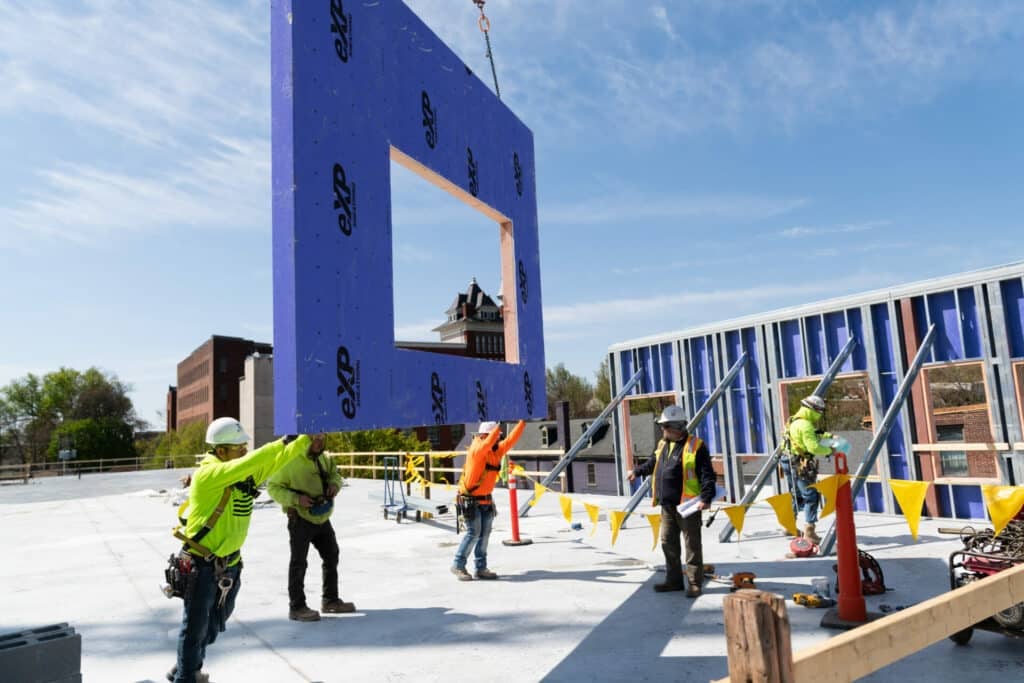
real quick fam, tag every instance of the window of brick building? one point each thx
(958, 413)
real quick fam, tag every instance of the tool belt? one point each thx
(804, 466)
(467, 505)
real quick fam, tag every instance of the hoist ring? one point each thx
(484, 23)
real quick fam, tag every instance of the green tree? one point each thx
(373, 440)
(603, 387)
(562, 385)
(94, 438)
(33, 407)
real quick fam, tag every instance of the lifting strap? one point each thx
(485, 27)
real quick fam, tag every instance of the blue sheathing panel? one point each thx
(779, 369)
(753, 380)
(737, 394)
(942, 312)
(667, 354)
(815, 345)
(942, 494)
(917, 303)
(626, 363)
(836, 335)
(647, 363)
(703, 376)
(875, 501)
(352, 85)
(792, 349)
(969, 322)
(885, 356)
(859, 357)
(860, 501)
(1013, 306)
(968, 502)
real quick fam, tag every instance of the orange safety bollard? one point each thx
(851, 605)
(513, 500)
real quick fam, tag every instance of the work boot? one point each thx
(810, 535)
(200, 676)
(337, 606)
(462, 574)
(303, 614)
(693, 591)
(486, 574)
(667, 587)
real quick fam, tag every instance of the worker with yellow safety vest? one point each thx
(216, 522)
(682, 471)
(479, 473)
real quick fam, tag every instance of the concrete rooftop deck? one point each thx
(570, 607)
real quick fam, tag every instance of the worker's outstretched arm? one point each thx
(509, 441)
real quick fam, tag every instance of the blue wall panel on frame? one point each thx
(1013, 309)
(354, 86)
(737, 394)
(859, 357)
(968, 501)
(627, 372)
(792, 348)
(667, 354)
(647, 365)
(815, 345)
(753, 375)
(885, 357)
(942, 313)
(969, 322)
(702, 362)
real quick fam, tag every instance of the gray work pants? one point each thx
(671, 526)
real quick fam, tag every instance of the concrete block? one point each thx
(48, 654)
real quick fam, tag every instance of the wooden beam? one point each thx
(757, 631)
(868, 648)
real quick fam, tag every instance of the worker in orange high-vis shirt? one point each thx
(483, 463)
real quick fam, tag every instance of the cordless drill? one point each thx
(812, 600)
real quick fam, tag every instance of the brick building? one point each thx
(208, 380)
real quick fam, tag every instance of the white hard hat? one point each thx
(673, 415)
(226, 431)
(486, 427)
(815, 403)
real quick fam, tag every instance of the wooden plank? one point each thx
(877, 644)
(757, 632)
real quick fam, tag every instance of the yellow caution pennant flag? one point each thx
(910, 496)
(1003, 503)
(592, 511)
(737, 513)
(655, 521)
(566, 503)
(783, 506)
(616, 518)
(828, 487)
(538, 491)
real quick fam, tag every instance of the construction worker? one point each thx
(306, 488)
(804, 449)
(480, 471)
(219, 508)
(682, 471)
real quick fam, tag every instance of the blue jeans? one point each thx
(810, 498)
(478, 533)
(203, 619)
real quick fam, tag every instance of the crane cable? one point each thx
(485, 26)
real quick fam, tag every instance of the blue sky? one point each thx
(696, 161)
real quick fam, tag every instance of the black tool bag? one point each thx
(180, 575)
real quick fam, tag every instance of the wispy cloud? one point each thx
(801, 63)
(726, 303)
(809, 231)
(187, 102)
(224, 187)
(661, 16)
(637, 207)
